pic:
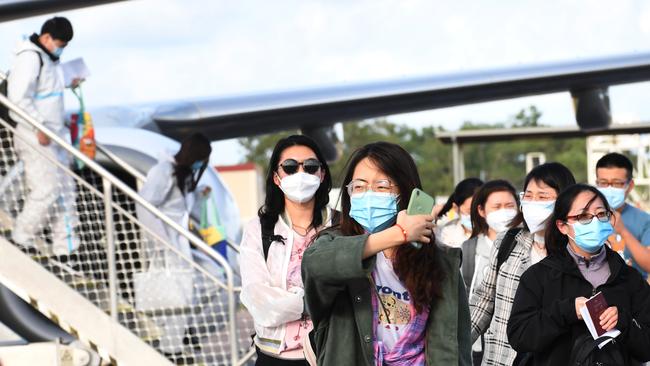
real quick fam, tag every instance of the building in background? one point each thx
(246, 182)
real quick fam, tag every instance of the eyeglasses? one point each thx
(542, 196)
(585, 218)
(602, 183)
(360, 187)
(310, 166)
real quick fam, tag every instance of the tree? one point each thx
(506, 160)
(429, 153)
(259, 148)
(523, 119)
(493, 160)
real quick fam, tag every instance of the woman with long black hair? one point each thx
(295, 208)
(514, 250)
(546, 320)
(374, 298)
(170, 187)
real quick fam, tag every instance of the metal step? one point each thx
(48, 353)
(72, 311)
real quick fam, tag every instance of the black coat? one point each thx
(544, 321)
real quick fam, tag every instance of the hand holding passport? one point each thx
(591, 312)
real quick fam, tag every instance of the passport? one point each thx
(591, 312)
(596, 305)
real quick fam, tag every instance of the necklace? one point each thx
(304, 230)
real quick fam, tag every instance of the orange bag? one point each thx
(82, 132)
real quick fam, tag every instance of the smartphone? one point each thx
(419, 204)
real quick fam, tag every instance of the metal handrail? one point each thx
(139, 177)
(113, 180)
(198, 243)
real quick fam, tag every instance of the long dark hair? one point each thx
(274, 202)
(556, 241)
(417, 268)
(479, 223)
(194, 148)
(464, 190)
(554, 175)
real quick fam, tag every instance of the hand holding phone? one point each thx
(419, 204)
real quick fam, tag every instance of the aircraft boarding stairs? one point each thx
(126, 293)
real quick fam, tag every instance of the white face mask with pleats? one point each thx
(300, 187)
(536, 213)
(498, 220)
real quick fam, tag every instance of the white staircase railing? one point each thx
(192, 318)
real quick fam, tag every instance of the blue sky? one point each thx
(147, 51)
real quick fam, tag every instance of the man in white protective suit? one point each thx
(36, 85)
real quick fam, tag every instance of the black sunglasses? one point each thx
(310, 166)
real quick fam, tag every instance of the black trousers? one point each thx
(265, 360)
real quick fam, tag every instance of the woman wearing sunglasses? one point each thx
(546, 319)
(295, 209)
(374, 298)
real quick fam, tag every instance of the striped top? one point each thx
(491, 302)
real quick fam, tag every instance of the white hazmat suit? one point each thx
(51, 193)
(164, 264)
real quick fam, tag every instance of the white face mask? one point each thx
(498, 220)
(300, 187)
(536, 213)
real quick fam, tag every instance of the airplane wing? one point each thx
(229, 117)
(13, 9)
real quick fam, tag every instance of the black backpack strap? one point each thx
(508, 243)
(336, 217)
(268, 237)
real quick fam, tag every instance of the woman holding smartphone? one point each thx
(295, 209)
(373, 297)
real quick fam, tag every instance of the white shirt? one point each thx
(481, 263)
(452, 233)
(481, 260)
(535, 255)
(396, 300)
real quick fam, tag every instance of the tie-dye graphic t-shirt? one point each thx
(396, 303)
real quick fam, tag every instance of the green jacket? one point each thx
(337, 296)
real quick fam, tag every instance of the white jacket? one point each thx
(160, 189)
(264, 284)
(40, 96)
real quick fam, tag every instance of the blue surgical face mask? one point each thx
(592, 237)
(57, 51)
(615, 196)
(466, 221)
(374, 211)
(197, 166)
